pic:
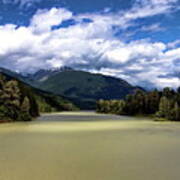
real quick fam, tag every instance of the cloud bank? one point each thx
(90, 43)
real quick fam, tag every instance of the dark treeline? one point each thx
(21, 102)
(164, 105)
(16, 102)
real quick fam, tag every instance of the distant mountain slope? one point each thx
(43, 74)
(83, 88)
(11, 73)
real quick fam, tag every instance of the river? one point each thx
(89, 146)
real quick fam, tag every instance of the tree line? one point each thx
(163, 105)
(21, 102)
(16, 102)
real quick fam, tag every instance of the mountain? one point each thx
(80, 87)
(46, 102)
(10, 73)
(43, 74)
(83, 88)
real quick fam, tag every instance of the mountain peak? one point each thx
(43, 74)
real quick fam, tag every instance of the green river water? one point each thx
(88, 146)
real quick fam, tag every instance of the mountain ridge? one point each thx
(47, 101)
(84, 88)
(81, 87)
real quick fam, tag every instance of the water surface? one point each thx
(89, 146)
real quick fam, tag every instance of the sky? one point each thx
(136, 40)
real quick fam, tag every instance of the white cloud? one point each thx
(152, 28)
(91, 46)
(145, 8)
(43, 20)
(174, 44)
(121, 55)
(141, 9)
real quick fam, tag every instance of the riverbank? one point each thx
(4, 121)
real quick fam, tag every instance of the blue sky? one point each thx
(137, 40)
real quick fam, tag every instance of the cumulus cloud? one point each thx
(92, 45)
(43, 20)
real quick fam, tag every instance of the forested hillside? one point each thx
(16, 104)
(163, 105)
(83, 88)
(21, 102)
(80, 87)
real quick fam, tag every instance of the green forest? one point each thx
(162, 105)
(21, 102)
(16, 104)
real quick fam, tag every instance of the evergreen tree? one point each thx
(24, 114)
(9, 98)
(14, 104)
(178, 90)
(176, 112)
(152, 102)
(164, 107)
(165, 104)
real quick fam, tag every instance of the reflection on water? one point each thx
(87, 146)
